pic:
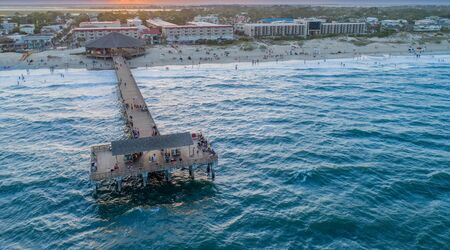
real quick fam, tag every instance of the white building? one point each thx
(27, 28)
(444, 22)
(38, 41)
(104, 24)
(8, 27)
(425, 22)
(82, 35)
(207, 19)
(393, 24)
(52, 29)
(136, 22)
(427, 28)
(372, 21)
(192, 31)
(427, 25)
(343, 28)
(275, 29)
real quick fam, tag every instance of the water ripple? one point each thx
(312, 155)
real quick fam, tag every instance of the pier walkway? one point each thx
(134, 104)
(146, 150)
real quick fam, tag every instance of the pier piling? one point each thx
(145, 178)
(191, 172)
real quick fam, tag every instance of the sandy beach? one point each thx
(259, 51)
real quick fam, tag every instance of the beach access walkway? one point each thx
(146, 150)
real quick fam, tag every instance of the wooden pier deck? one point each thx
(133, 100)
(140, 124)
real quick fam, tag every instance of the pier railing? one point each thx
(101, 148)
(153, 167)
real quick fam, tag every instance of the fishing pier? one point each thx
(146, 150)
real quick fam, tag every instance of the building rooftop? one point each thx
(164, 24)
(160, 23)
(274, 24)
(282, 19)
(105, 28)
(205, 24)
(199, 25)
(99, 22)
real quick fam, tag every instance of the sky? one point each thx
(196, 2)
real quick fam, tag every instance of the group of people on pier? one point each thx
(204, 145)
(137, 107)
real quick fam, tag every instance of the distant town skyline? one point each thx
(197, 2)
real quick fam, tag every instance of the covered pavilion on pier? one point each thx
(115, 44)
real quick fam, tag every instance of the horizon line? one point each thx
(225, 4)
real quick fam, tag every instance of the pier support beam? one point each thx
(119, 184)
(96, 187)
(191, 172)
(145, 178)
(167, 175)
(213, 173)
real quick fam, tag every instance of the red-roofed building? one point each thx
(151, 35)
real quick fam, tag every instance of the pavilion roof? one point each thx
(115, 40)
(125, 147)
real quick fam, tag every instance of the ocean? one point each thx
(345, 153)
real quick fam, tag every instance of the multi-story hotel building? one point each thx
(83, 35)
(275, 29)
(302, 28)
(343, 28)
(192, 31)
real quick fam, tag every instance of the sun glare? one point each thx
(134, 1)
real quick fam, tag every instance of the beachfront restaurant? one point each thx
(115, 44)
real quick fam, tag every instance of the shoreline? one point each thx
(194, 55)
(245, 64)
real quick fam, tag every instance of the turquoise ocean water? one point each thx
(312, 155)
